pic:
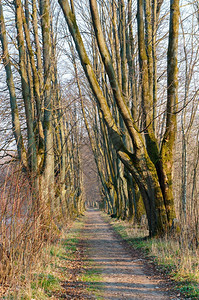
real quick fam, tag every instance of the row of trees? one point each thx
(42, 118)
(147, 163)
(131, 115)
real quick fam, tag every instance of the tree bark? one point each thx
(172, 104)
(48, 105)
(32, 151)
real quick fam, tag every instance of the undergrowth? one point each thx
(50, 270)
(176, 259)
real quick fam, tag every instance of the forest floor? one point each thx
(116, 270)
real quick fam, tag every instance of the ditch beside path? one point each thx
(123, 275)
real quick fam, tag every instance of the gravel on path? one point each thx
(123, 276)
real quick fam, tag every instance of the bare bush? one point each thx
(22, 232)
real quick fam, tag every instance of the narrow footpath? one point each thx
(122, 275)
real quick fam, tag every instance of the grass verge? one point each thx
(173, 257)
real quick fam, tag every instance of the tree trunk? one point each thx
(48, 105)
(32, 151)
(172, 104)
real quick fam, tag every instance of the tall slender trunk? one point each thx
(36, 88)
(172, 104)
(48, 105)
(154, 29)
(131, 63)
(37, 46)
(32, 151)
(117, 43)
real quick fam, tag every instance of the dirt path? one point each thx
(123, 276)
